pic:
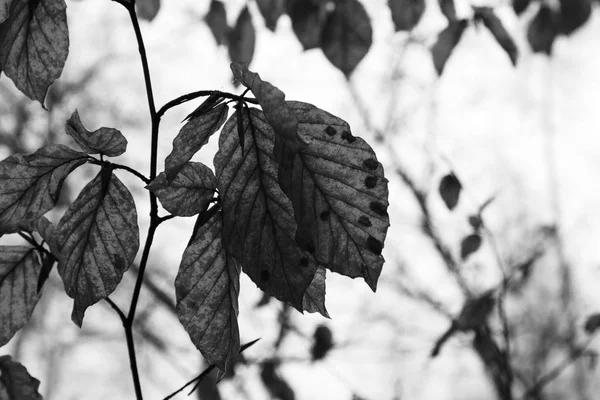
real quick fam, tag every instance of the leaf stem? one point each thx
(132, 171)
(201, 93)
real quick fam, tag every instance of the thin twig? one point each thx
(141, 176)
(202, 93)
(117, 309)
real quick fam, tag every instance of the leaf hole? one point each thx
(330, 130)
(364, 221)
(378, 208)
(374, 245)
(370, 182)
(371, 163)
(265, 275)
(347, 136)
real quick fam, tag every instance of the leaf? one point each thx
(107, 141)
(30, 183)
(542, 30)
(242, 38)
(34, 44)
(520, 5)
(258, 221)
(308, 19)
(207, 288)
(189, 193)
(98, 238)
(194, 134)
(272, 101)
(406, 14)
(4, 9)
(449, 189)
(446, 42)
(48, 261)
(271, 10)
(495, 26)
(45, 229)
(19, 270)
(322, 343)
(469, 245)
(339, 195)
(15, 381)
(216, 19)
(574, 14)
(275, 384)
(347, 35)
(314, 298)
(592, 323)
(448, 9)
(147, 9)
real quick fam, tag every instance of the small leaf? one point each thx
(308, 18)
(542, 30)
(189, 193)
(449, 189)
(406, 14)
(242, 38)
(314, 298)
(34, 43)
(30, 183)
(520, 5)
(258, 219)
(470, 245)
(574, 14)
(347, 35)
(19, 270)
(495, 26)
(147, 9)
(98, 238)
(216, 19)
(271, 10)
(194, 134)
(207, 288)
(15, 381)
(339, 194)
(592, 323)
(448, 9)
(107, 141)
(275, 384)
(322, 343)
(446, 42)
(272, 101)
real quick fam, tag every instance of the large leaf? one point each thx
(98, 238)
(107, 141)
(446, 42)
(34, 43)
(19, 270)
(242, 38)
(495, 26)
(271, 10)
(314, 298)
(15, 381)
(30, 183)
(339, 195)
(347, 35)
(189, 193)
(406, 14)
(147, 9)
(308, 18)
(542, 30)
(258, 221)
(194, 134)
(216, 19)
(207, 288)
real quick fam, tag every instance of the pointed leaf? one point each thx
(314, 298)
(406, 14)
(30, 183)
(216, 19)
(207, 288)
(449, 189)
(194, 134)
(574, 14)
(347, 35)
(493, 23)
(272, 101)
(542, 30)
(340, 196)
(271, 10)
(34, 43)
(98, 238)
(308, 18)
(19, 270)
(520, 5)
(15, 381)
(448, 9)
(242, 38)
(470, 245)
(147, 9)
(446, 42)
(258, 221)
(107, 141)
(189, 193)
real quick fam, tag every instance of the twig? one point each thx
(117, 309)
(133, 171)
(201, 93)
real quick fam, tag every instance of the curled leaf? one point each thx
(469, 245)
(216, 19)
(107, 141)
(449, 190)
(242, 38)
(406, 14)
(15, 381)
(446, 42)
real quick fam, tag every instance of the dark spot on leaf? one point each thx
(264, 275)
(371, 163)
(330, 130)
(374, 245)
(304, 261)
(347, 136)
(324, 215)
(370, 181)
(378, 208)
(364, 221)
